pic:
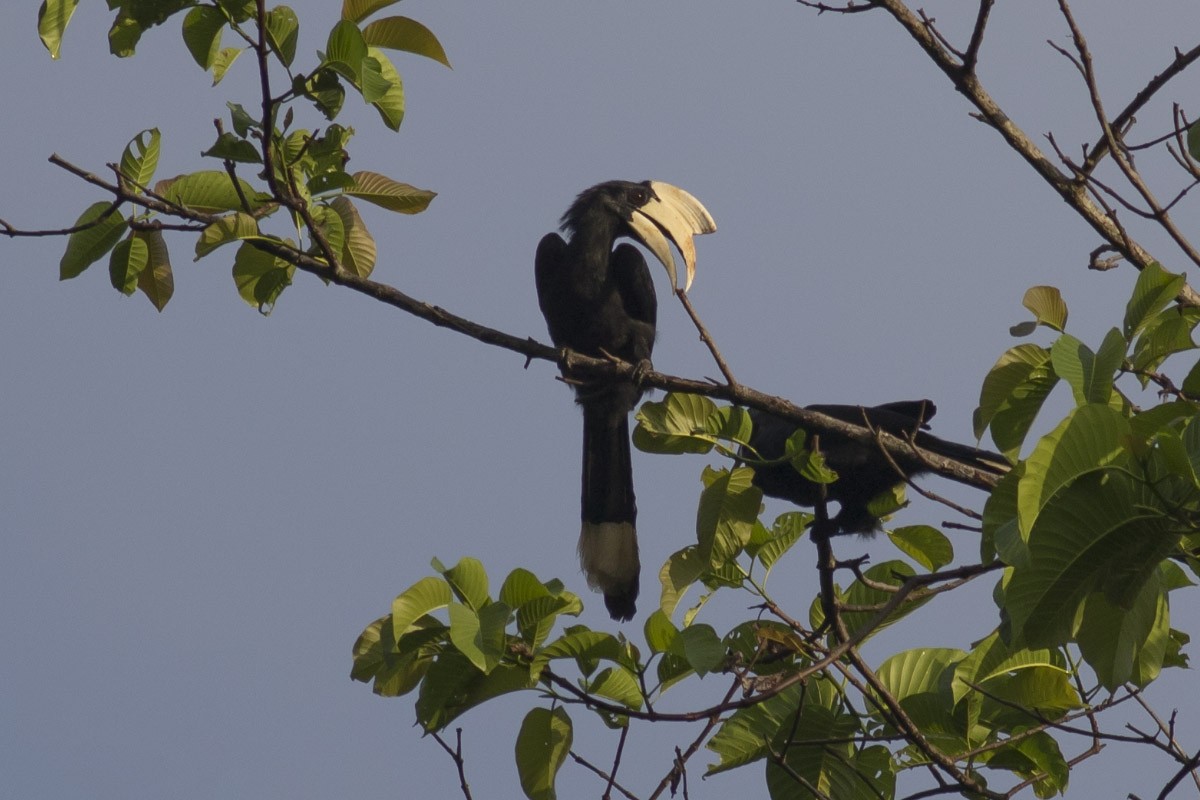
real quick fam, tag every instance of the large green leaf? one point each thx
(230, 228)
(105, 225)
(702, 648)
(468, 580)
(677, 424)
(156, 281)
(261, 277)
(1126, 645)
(585, 646)
(1091, 437)
(426, 595)
(542, 746)
(383, 88)
(619, 684)
(402, 33)
(358, 250)
(1047, 306)
(928, 546)
(453, 686)
(283, 29)
(745, 736)
(728, 509)
(345, 51)
(1102, 531)
(1090, 375)
(479, 635)
(918, 680)
(682, 569)
(1154, 289)
(210, 192)
(202, 29)
(126, 262)
(390, 194)
(53, 16)
(1165, 334)
(140, 157)
(1012, 395)
(358, 10)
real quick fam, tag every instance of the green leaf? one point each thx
(469, 582)
(618, 684)
(1012, 395)
(744, 737)
(660, 632)
(1167, 333)
(586, 647)
(358, 10)
(1047, 306)
(53, 16)
(345, 51)
(928, 546)
(479, 635)
(426, 595)
(1089, 374)
(916, 679)
(453, 686)
(402, 33)
(702, 648)
(542, 746)
(1091, 437)
(223, 61)
(202, 29)
(283, 28)
(1155, 288)
(1126, 645)
(231, 228)
(786, 531)
(891, 573)
(676, 425)
(140, 157)
(358, 252)
(126, 262)
(231, 147)
(325, 89)
(728, 509)
(1193, 140)
(156, 281)
(383, 88)
(261, 277)
(105, 227)
(682, 569)
(209, 192)
(1102, 531)
(387, 193)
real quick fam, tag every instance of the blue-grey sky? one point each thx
(200, 509)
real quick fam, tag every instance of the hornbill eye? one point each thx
(639, 196)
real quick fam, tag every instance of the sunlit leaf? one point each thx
(358, 251)
(1090, 375)
(210, 192)
(231, 228)
(383, 88)
(1154, 289)
(202, 29)
(53, 16)
(139, 160)
(682, 569)
(105, 227)
(156, 281)
(1089, 438)
(390, 194)
(126, 262)
(1047, 306)
(358, 10)
(424, 596)
(542, 746)
(402, 33)
(728, 509)
(223, 61)
(927, 545)
(261, 277)
(283, 28)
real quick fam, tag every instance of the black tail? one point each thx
(608, 548)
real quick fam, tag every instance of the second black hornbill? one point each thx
(599, 301)
(864, 472)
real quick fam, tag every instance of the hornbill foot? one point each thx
(639, 371)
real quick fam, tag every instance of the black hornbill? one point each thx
(600, 301)
(864, 472)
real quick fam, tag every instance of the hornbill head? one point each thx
(657, 214)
